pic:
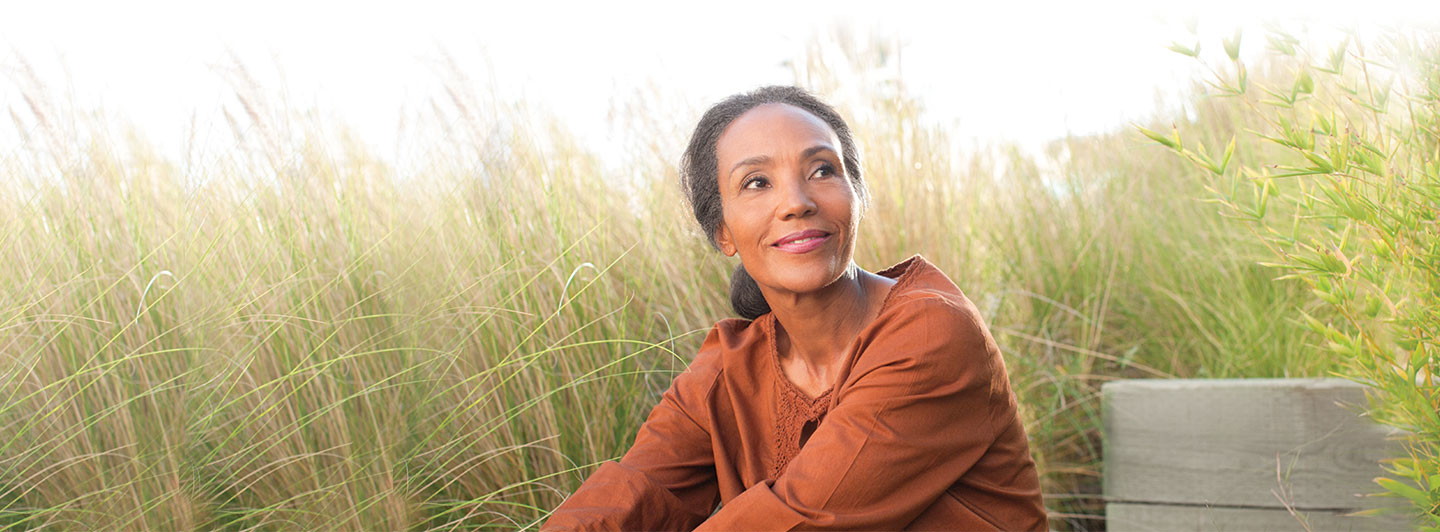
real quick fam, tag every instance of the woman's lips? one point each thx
(803, 245)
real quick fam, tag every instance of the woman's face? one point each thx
(781, 179)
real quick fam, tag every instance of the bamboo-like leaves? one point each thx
(1191, 51)
(1365, 204)
(1172, 142)
(1232, 46)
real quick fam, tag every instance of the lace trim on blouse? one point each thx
(797, 413)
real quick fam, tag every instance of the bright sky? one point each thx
(1022, 71)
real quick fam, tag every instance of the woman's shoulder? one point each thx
(927, 321)
(919, 321)
(720, 364)
(730, 341)
(736, 334)
(923, 293)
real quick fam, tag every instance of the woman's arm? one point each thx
(666, 481)
(917, 414)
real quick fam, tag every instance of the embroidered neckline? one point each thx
(795, 408)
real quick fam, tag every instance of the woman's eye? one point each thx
(752, 182)
(825, 171)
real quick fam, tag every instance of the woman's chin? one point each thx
(809, 281)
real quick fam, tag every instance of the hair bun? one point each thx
(745, 295)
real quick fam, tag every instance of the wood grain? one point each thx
(1245, 444)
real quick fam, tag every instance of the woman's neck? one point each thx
(814, 329)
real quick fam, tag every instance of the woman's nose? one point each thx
(797, 202)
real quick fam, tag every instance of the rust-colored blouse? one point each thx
(919, 432)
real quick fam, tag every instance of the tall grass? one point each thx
(291, 334)
(301, 338)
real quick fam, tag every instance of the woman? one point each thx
(846, 399)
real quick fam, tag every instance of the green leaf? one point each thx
(1321, 164)
(1382, 95)
(1372, 306)
(1225, 160)
(1370, 162)
(1232, 46)
(1203, 159)
(1182, 50)
(1420, 498)
(1283, 43)
(1337, 58)
(1340, 153)
(1173, 144)
(1328, 298)
(1281, 99)
(1380, 248)
(1263, 200)
(1304, 84)
(1338, 347)
(1325, 125)
(1314, 324)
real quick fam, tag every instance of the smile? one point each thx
(803, 245)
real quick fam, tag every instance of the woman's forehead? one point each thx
(766, 127)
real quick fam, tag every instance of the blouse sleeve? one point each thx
(915, 415)
(666, 481)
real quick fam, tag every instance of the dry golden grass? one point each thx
(295, 335)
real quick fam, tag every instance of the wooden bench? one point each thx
(1242, 454)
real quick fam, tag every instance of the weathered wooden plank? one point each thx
(1242, 442)
(1123, 517)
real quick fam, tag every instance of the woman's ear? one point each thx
(722, 237)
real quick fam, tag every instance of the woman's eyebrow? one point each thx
(762, 159)
(756, 160)
(811, 151)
